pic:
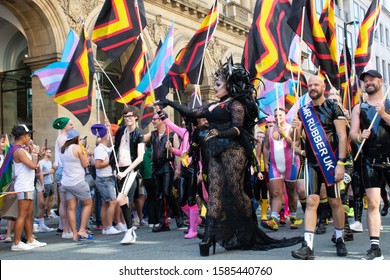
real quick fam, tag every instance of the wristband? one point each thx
(343, 160)
(341, 163)
(359, 139)
(302, 152)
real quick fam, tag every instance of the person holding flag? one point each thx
(370, 129)
(326, 149)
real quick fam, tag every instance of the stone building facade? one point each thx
(33, 34)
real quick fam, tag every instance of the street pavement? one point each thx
(171, 245)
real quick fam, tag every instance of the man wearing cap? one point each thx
(105, 181)
(374, 110)
(129, 149)
(62, 124)
(24, 165)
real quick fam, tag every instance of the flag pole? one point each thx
(104, 72)
(372, 123)
(106, 118)
(299, 76)
(204, 50)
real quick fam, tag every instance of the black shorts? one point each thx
(314, 179)
(375, 172)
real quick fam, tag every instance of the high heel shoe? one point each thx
(204, 246)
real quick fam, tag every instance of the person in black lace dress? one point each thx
(232, 120)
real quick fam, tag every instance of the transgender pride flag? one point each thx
(159, 67)
(51, 75)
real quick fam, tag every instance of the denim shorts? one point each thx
(79, 191)
(106, 187)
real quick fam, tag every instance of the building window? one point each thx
(388, 71)
(381, 34)
(378, 64)
(356, 12)
(384, 71)
(340, 38)
(387, 38)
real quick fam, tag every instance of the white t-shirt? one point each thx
(103, 152)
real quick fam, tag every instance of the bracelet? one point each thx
(343, 160)
(302, 152)
(359, 139)
(340, 163)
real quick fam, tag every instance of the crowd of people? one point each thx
(220, 160)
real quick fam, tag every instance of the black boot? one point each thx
(208, 238)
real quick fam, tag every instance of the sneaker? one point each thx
(21, 247)
(110, 231)
(121, 227)
(356, 226)
(143, 222)
(160, 228)
(59, 231)
(340, 248)
(374, 254)
(282, 219)
(8, 240)
(321, 228)
(295, 222)
(351, 212)
(45, 228)
(130, 237)
(36, 244)
(271, 224)
(67, 235)
(136, 222)
(304, 253)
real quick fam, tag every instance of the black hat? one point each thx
(372, 72)
(20, 130)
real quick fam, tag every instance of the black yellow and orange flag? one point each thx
(118, 24)
(132, 74)
(181, 81)
(366, 35)
(192, 54)
(75, 90)
(327, 21)
(313, 36)
(349, 90)
(266, 49)
(345, 74)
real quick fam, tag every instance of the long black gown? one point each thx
(229, 206)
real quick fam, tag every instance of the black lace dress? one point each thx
(229, 207)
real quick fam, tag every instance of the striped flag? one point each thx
(118, 24)
(132, 74)
(160, 66)
(313, 35)
(366, 35)
(267, 46)
(192, 54)
(51, 75)
(75, 91)
(345, 74)
(327, 21)
(181, 81)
